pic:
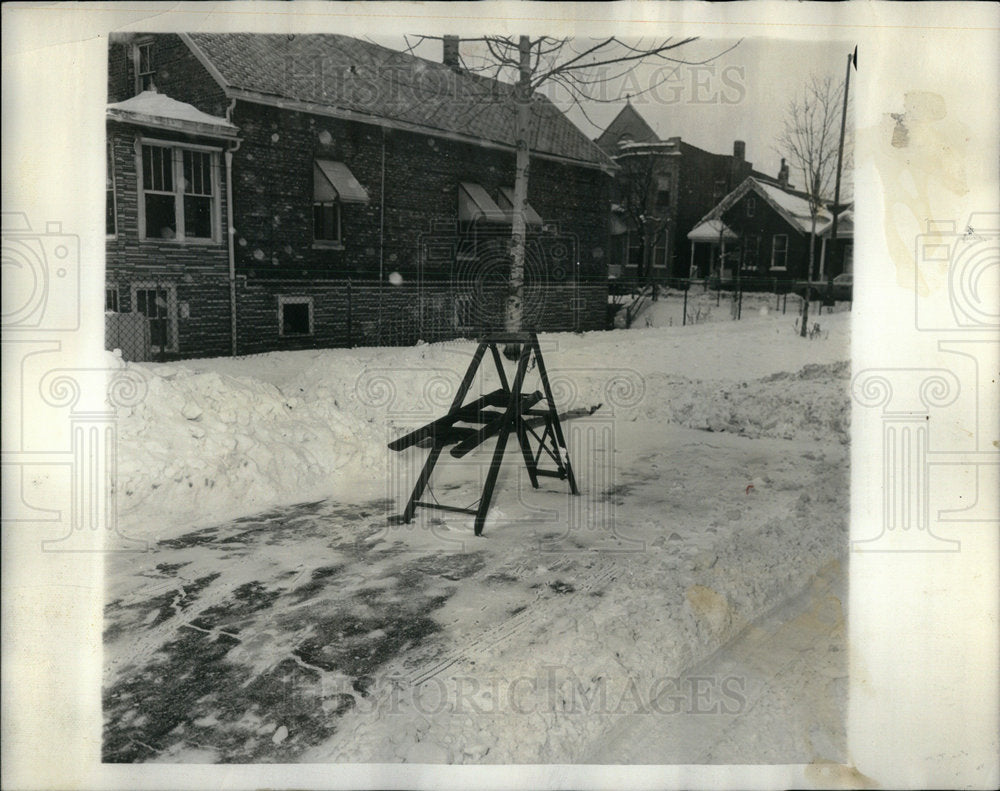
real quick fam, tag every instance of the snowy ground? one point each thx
(713, 480)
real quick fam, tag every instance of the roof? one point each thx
(792, 205)
(150, 108)
(627, 122)
(360, 80)
(845, 225)
(712, 231)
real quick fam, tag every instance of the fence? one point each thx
(633, 298)
(159, 318)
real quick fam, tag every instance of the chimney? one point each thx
(739, 150)
(449, 52)
(783, 175)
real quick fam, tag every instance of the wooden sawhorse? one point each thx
(498, 414)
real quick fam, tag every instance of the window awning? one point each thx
(334, 181)
(474, 203)
(507, 205)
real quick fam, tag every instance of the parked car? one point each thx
(838, 289)
(843, 287)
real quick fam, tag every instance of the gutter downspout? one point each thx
(229, 229)
(381, 237)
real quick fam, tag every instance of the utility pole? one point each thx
(840, 162)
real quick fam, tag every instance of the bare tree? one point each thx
(643, 203)
(580, 69)
(810, 140)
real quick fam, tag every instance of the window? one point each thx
(849, 257)
(295, 316)
(333, 186)
(145, 71)
(179, 193)
(779, 252)
(720, 189)
(326, 221)
(751, 205)
(111, 299)
(110, 218)
(158, 303)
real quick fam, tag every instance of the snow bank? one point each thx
(221, 438)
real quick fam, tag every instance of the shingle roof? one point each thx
(360, 77)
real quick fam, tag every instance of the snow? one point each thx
(712, 483)
(150, 105)
(219, 438)
(797, 207)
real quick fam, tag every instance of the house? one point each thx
(662, 189)
(272, 192)
(762, 229)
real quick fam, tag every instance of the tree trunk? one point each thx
(522, 97)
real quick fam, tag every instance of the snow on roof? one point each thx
(790, 204)
(795, 207)
(158, 109)
(710, 231)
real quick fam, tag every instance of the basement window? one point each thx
(295, 316)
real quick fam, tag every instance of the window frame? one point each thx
(329, 244)
(173, 344)
(289, 299)
(177, 174)
(137, 50)
(751, 206)
(115, 298)
(774, 252)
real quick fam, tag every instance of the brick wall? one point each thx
(197, 272)
(179, 74)
(369, 313)
(273, 182)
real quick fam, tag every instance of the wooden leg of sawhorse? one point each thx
(512, 414)
(425, 475)
(491, 479)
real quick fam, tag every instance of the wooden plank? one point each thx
(470, 411)
(491, 429)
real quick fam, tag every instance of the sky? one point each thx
(742, 94)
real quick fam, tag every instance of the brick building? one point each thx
(285, 192)
(662, 190)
